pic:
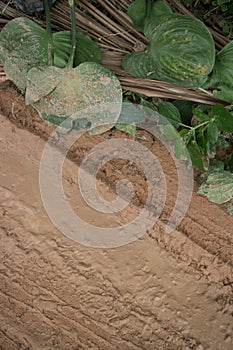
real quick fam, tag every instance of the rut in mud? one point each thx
(160, 292)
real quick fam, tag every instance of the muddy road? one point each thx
(160, 292)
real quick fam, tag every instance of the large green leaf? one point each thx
(218, 187)
(41, 81)
(23, 45)
(177, 48)
(221, 77)
(141, 12)
(86, 49)
(137, 13)
(78, 89)
(223, 67)
(224, 93)
(224, 118)
(62, 48)
(151, 26)
(159, 9)
(139, 65)
(127, 128)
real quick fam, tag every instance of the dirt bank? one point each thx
(160, 292)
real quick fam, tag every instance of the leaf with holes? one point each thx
(23, 45)
(88, 91)
(177, 47)
(218, 187)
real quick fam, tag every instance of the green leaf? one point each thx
(170, 112)
(127, 128)
(222, 142)
(90, 88)
(185, 109)
(169, 132)
(215, 165)
(53, 119)
(23, 45)
(196, 155)
(87, 50)
(180, 148)
(132, 114)
(185, 134)
(159, 9)
(137, 13)
(224, 119)
(177, 47)
(202, 140)
(212, 132)
(41, 82)
(151, 25)
(218, 187)
(139, 65)
(223, 67)
(62, 48)
(199, 114)
(224, 93)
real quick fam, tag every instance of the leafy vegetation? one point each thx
(217, 12)
(60, 73)
(181, 51)
(221, 77)
(175, 52)
(178, 45)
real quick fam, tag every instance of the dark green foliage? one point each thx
(181, 49)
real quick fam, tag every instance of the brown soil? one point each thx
(161, 292)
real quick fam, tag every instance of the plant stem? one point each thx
(194, 127)
(70, 63)
(148, 9)
(49, 32)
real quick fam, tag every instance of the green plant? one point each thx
(218, 187)
(209, 129)
(225, 5)
(143, 11)
(60, 73)
(204, 133)
(222, 76)
(218, 12)
(181, 48)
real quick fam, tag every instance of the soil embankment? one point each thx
(160, 292)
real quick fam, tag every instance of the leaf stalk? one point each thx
(70, 63)
(49, 32)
